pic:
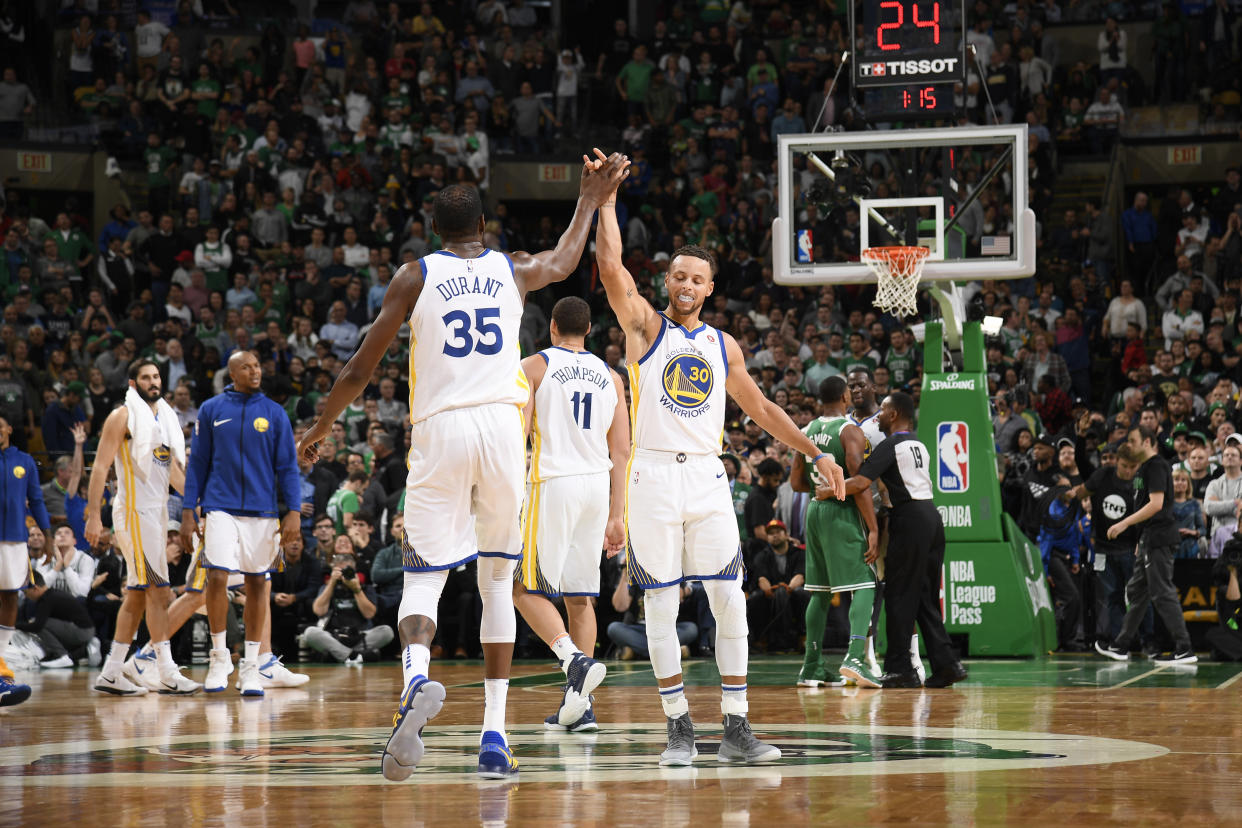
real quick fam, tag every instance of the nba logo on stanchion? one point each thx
(805, 248)
(952, 443)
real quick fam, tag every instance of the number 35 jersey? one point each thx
(678, 391)
(574, 406)
(464, 335)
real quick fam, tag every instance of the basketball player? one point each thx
(242, 457)
(865, 415)
(147, 454)
(19, 495)
(842, 543)
(679, 511)
(575, 500)
(467, 458)
(915, 548)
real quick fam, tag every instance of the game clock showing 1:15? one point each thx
(908, 43)
(910, 102)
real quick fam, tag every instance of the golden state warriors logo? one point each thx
(162, 455)
(19, 472)
(688, 380)
(261, 424)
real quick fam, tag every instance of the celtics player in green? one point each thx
(842, 543)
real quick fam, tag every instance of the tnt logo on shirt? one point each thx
(952, 440)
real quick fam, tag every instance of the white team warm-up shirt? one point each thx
(678, 391)
(464, 335)
(574, 407)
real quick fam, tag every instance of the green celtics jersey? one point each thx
(741, 491)
(825, 433)
(900, 367)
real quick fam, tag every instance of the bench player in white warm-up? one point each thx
(467, 458)
(574, 502)
(679, 510)
(142, 439)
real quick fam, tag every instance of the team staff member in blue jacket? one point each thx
(241, 459)
(19, 494)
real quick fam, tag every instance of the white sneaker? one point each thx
(275, 674)
(60, 663)
(142, 672)
(94, 653)
(175, 683)
(251, 684)
(219, 667)
(118, 685)
(354, 661)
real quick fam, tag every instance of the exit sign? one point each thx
(1185, 156)
(34, 162)
(554, 173)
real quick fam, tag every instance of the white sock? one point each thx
(116, 657)
(252, 652)
(674, 701)
(146, 649)
(494, 692)
(733, 699)
(565, 650)
(218, 641)
(6, 635)
(163, 657)
(414, 663)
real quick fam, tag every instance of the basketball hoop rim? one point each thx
(896, 252)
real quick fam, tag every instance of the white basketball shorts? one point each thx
(463, 495)
(563, 534)
(249, 545)
(142, 546)
(679, 514)
(14, 567)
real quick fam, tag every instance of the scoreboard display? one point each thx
(912, 44)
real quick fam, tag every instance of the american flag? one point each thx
(995, 246)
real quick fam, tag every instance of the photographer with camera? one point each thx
(345, 607)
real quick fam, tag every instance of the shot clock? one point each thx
(911, 44)
(910, 102)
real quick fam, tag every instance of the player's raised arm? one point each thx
(634, 313)
(403, 293)
(773, 419)
(599, 183)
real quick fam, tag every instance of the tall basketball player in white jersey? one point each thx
(467, 456)
(679, 509)
(142, 440)
(575, 501)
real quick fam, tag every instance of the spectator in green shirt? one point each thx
(161, 163)
(345, 501)
(634, 80)
(206, 90)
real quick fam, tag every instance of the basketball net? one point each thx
(897, 272)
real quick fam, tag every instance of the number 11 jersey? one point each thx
(574, 407)
(464, 335)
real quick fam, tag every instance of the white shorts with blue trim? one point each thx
(14, 566)
(249, 545)
(463, 494)
(142, 537)
(563, 534)
(680, 519)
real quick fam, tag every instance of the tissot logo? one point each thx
(911, 68)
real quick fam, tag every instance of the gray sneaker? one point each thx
(681, 750)
(740, 745)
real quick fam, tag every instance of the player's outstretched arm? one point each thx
(403, 293)
(773, 419)
(637, 318)
(599, 182)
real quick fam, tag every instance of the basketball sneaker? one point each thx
(855, 670)
(219, 668)
(1186, 656)
(142, 671)
(11, 693)
(420, 703)
(495, 759)
(740, 745)
(273, 673)
(583, 676)
(681, 750)
(919, 669)
(818, 676)
(175, 683)
(251, 684)
(118, 685)
(586, 724)
(1112, 651)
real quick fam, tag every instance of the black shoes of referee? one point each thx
(951, 674)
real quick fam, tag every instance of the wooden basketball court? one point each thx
(1073, 740)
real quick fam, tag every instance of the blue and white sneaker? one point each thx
(420, 703)
(585, 724)
(143, 670)
(582, 677)
(12, 693)
(495, 759)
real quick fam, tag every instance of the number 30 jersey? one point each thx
(678, 391)
(574, 406)
(464, 335)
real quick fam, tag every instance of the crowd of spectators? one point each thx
(286, 180)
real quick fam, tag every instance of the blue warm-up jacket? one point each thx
(19, 489)
(242, 457)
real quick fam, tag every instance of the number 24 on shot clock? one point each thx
(909, 43)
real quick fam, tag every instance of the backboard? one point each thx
(960, 191)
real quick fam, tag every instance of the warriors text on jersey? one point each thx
(464, 335)
(574, 406)
(678, 390)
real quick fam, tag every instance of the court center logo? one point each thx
(621, 753)
(688, 380)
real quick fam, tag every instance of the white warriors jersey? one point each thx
(574, 407)
(678, 391)
(871, 429)
(464, 335)
(133, 494)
